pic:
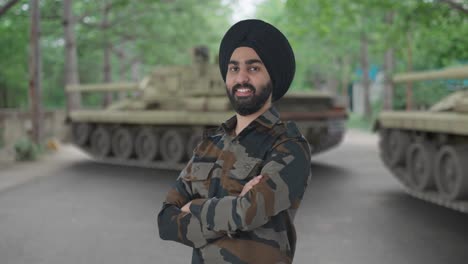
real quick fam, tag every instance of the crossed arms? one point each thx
(195, 222)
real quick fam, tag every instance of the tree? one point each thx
(142, 35)
(7, 6)
(326, 34)
(460, 6)
(71, 58)
(129, 30)
(35, 72)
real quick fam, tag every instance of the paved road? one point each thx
(68, 209)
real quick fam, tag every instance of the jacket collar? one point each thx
(268, 119)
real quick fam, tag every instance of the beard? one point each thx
(248, 105)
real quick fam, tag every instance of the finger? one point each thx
(244, 191)
(251, 182)
(256, 178)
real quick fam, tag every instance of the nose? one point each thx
(242, 76)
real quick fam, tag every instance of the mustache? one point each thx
(245, 85)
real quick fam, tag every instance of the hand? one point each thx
(250, 184)
(186, 208)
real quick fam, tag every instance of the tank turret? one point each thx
(162, 123)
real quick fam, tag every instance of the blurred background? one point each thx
(348, 48)
(66, 208)
(339, 45)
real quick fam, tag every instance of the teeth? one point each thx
(243, 90)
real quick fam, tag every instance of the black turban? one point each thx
(271, 46)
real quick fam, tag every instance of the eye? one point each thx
(254, 69)
(233, 69)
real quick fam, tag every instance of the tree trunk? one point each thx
(345, 79)
(389, 66)
(107, 100)
(35, 72)
(332, 82)
(7, 6)
(136, 70)
(122, 70)
(365, 75)
(332, 85)
(459, 6)
(316, 78)
(136, 75)
(71, 59)
(409, 87)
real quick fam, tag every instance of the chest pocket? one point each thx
(200, 177)
(239, 174)
(245, 169)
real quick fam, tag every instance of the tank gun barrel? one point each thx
(448, 73)
(103, 87)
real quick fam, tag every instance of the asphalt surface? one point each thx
(69, 209)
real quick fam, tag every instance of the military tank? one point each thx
(162, 122)
(427, 151)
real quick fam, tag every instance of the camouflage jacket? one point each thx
(224, 227)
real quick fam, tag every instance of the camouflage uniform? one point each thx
(224, 227)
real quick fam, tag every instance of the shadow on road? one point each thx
(399, 202)
(334, 172)
(96, 169)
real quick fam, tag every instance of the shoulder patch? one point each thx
(292, 131)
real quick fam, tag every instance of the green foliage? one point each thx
(26, 150)
(425, 94)
(150, 32)
(324, 34)
(14, 58)
(154, 32)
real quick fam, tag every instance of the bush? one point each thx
(26, 150)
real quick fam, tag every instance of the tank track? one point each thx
(336, 130)
(337, 138)
(431, 196)
(156, 164)
(395, 157)
(82, 137)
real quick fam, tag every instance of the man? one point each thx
(235, 201)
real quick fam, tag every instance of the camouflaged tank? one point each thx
(161, 124)
(428, 150)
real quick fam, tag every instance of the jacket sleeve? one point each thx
(182, 227)
(285, 177)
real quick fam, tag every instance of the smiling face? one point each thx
(248, 83)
